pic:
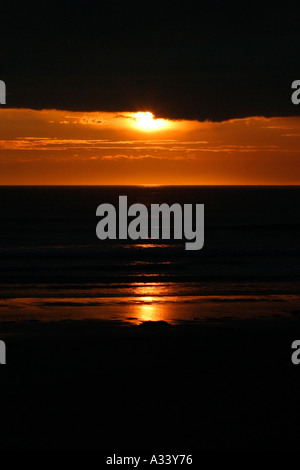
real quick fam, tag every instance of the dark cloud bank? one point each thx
(211, 62)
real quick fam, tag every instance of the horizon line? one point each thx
(146, 185)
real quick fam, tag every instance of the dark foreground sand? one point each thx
(90, 384)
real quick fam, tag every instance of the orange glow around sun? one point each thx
(145, 121)
(57, 147)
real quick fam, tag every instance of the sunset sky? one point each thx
(64, 147)
(219, 77)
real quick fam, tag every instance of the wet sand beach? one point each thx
(226, 384)
(122, 344)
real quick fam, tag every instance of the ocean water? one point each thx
(53, 267)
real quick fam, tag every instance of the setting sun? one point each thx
(145, 121)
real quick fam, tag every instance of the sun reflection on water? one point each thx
(151, 305)
(147, 311)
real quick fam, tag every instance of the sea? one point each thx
(53, 267)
